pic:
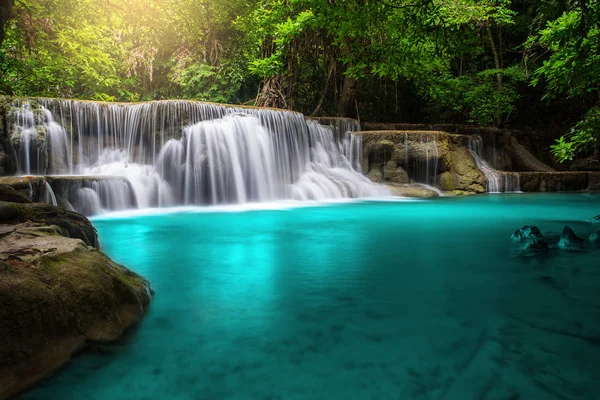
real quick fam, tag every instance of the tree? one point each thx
(6, 12)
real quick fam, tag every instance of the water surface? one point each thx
(379, 300)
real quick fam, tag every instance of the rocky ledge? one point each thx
(58, 292)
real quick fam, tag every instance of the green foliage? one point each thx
(574, 65)
(485, 62)
(580, 139)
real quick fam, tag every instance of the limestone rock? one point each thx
(417, 191)
(466, 174)
(375, 174)
(57, 293)
(446, 181)
(395, 174)
(569, 240)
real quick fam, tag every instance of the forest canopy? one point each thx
(532, 65)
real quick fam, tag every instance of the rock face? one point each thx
(434, 158)
(569, 240)
(57, 293)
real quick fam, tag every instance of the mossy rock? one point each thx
(57, 294)
(77, 226)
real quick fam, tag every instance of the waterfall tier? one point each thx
(179, 152)
(496, 181)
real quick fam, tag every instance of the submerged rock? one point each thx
(526, 234)
(535, 245)
(57, 293)
(569, 240)
(596, 219)
(595, 238)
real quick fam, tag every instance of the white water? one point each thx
(496, 181)
(50, 196)
(186, 153)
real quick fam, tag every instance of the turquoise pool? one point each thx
(372, 300)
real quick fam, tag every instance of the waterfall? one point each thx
(496, 181)
(421, 158)
(180, 152)
(50, 196)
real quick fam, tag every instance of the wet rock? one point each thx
(395, 174)
(595, 238)
(596, 219)
(535, 245)
(569, 240)
(58, 293)
(375, 174)
(417, 191)
(446, 181)
(526, 234)
(8, 193)
(76, 225)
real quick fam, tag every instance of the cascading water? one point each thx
(496, 181)
(421, 158)
(179, 152)
(50, 196)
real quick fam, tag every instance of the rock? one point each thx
(535, 245)
(596, 219)
(446, 182)
(375, 174)
(8, 193)
(395, 174)
(569, 240)
(466, 175)
(417, 191)
(532, 239)
(75, 225)
(595, 238)
(526, 234)
(57, 293)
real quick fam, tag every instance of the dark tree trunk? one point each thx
(347, 104)
(6, 11)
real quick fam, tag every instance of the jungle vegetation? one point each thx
(527, 64)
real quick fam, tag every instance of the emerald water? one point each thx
(373, 300)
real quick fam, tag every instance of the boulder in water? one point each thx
(58, 293)
(535, 245)
(569, 240)
(526, 234)
(595, 238)
(596, 219)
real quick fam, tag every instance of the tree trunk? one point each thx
(6, 11)
(347, 104)
(498, 64)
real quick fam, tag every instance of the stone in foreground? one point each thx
(569, 240)
(57, 293)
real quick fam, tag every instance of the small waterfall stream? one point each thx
(496, 181)
(179, 152)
